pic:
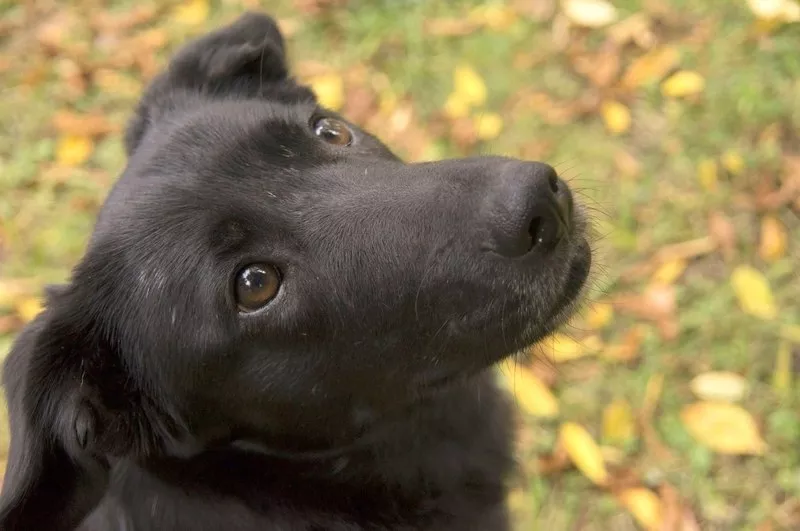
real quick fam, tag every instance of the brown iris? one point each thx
(333, 131)
(255, 286)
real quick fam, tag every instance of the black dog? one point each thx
(279, 325)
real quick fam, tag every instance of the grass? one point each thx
(750, 105)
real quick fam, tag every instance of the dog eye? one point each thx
(333, 131)
(256, 285)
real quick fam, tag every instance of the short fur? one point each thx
(358, 399)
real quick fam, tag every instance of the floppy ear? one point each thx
(53, 480)
(246, 57)
(73, 410)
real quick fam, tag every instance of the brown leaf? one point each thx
(628, 165)
(650, 67)
(117, 22)
(536, 10)
(627, 350)
(601, 69)
(773, 239)
(636, 28)
(316, 7)
(723, 233)
(449, 27)
(72, 123)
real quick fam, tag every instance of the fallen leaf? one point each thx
(450, 27)
(628, 350)
(469, 86)
(73, 150)
(707, 174)
(683, 84)
(191, 13)
(584, 452)
(753, 291)
(686, 250)
(616, 116)
(636, 28)
(668, 272)
(773, 240)
(530, 392)
(329, 89)
(652, 395)
(650, 67)
(455, 107)
(618, 424)
(733, 162)
(600, 68)
(775, 10)
(782, 375)
(28, 308)
(721, 386)
(589, 13)
(788, 331)
(627, 164)
(599, 315)
(488, 125)
(723, 233)
(644, 505)
(724, 428)
(560, 348)
(493, 16)
(66, 122)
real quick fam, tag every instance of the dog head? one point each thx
(264, 269)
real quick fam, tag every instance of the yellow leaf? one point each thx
(782, 377)
(669, 271)
(721, 386)
(494, 16)
(682, 84)
(707, 174)
(733, 162)
(618, 422)
(753, 291)
(644, 505)
(791, 332)
(28, 308)
(469, 86)
(488, 125)
(616, 116)
(773, 240)
(651, 66)
(455, 107)
(73, 150)
(724, 428)
(593, 344)
(530, 392)
(599, 315)
(561, 348)
(329, 89)
(191, 13)
(584, 452)
(775, 10)
(589, 13)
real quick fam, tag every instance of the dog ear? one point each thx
(72, 410)
(52, 480)
(247, 56)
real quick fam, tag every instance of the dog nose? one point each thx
(529, 208)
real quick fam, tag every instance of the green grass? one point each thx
(751, 85)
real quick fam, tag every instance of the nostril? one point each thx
(553, 179)
(533, 230)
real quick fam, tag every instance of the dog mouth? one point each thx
(576, 280)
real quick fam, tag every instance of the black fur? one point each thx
(358, 399)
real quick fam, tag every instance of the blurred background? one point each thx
(671, 402)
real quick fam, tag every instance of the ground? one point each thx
(672, 401)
